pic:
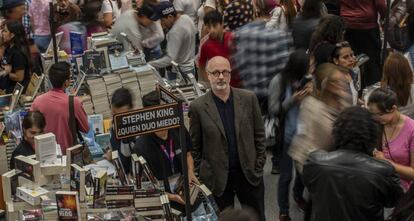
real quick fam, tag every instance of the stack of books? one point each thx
(129, 80)
(87, 105)
(119, 196)
(49, 208)
(99, 97)
(136, 59)
(112, 82)
(146, 79)
(148, 204)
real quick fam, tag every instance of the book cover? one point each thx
(31, 215)
(99, 189)
(45, 148)
(77, 181)
(13, 124)
(96, 121)
(5, 101)
(31, 195)
(76, 43)
(34, 85)
(107, 125)
(17, 92)
(74, 155)
(93, 62)
(103, 140)
(68, 206)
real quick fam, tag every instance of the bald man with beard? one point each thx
(228, 138)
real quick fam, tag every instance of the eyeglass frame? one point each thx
(217, 73)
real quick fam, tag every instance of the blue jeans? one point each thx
(286, 166)
(152, 53)
(42, 42)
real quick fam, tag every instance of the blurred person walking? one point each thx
(287, 90)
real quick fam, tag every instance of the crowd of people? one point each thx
(303, 64)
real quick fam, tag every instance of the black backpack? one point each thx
(398, 36)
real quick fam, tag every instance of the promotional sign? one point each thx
(146, 120)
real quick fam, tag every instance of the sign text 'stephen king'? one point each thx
(146, 120)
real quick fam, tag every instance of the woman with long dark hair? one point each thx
(33, 124)
(16, 60)
(286, 94)
(398, 134)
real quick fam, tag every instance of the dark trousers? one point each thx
(367, 41)
(276, 155)
(285, 168)
(248, 195)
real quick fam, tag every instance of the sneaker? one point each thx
(300, 202)
(275, 170)
(284, 217)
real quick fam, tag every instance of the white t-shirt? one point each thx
(109, 6)
(187, 7)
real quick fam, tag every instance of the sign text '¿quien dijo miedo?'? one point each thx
(147, 120)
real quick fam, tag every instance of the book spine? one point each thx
(96, 187)
(166, 207)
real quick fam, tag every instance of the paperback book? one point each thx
(68, 206)
(93, 62)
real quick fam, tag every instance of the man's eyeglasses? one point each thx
(217, 73)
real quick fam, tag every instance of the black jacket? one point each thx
(348, 185)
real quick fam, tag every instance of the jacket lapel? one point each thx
(212, 111)
(238, 111)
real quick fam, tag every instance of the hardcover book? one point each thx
(76, 43)
(77, 181)
(68, 206)
(99, 189)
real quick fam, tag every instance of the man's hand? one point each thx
(176, 198)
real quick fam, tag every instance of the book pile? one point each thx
(87, 104)
(119, 196)
(148, 203)
(186, 93)
(99, 96)
(129, 80)
(49, 208)
(112, 82)
(146, 79)
(101, 39)
(136, 59)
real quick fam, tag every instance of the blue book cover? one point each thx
(76, 43)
